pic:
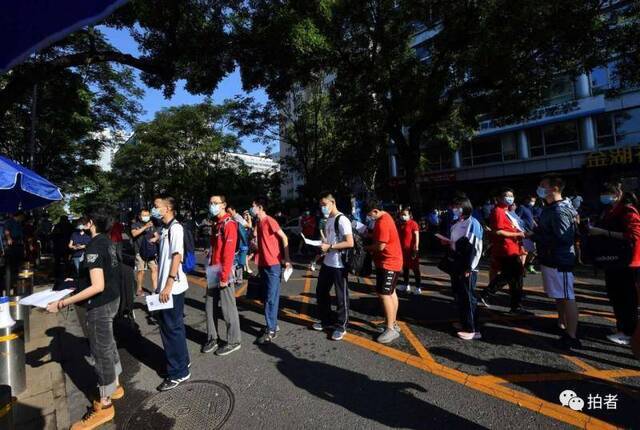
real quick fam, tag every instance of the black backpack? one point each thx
(353, 258)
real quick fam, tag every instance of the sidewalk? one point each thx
(43, 405)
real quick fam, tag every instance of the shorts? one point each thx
(142, 264)
(557, 285)
(386, 281)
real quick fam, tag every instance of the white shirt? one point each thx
(333, 257)
(468, 228)
(167, 251)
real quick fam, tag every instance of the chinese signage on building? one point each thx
(614, 157)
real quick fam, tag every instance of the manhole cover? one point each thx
(193, 405)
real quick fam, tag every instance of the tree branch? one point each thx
(31, 73)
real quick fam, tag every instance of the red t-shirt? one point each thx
(385, 231)
(503, 246)
(116, 232)
(308, 226)
(269, 253)
(408, 235)
(223, 245)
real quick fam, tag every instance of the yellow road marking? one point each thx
(487, 384)
(415, 342)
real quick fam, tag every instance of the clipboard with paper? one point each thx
(310, 242)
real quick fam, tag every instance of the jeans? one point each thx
(226, 297)
(76, 264)
(511, 272)
(270, 277)
(174, 338)
(99, 324)
(328, 277)
(464, 292)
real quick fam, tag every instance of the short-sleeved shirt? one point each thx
(79, 239)
(308, 226)
(168, 248)
(148, 234)
(334, 257)
(100, 253)
(385, 231)
(408, 235)
(269, 253)
(503, 246)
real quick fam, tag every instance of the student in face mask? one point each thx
(621, 222)
(506, 249)
(465, 239)
(410, 241)
(79, 241)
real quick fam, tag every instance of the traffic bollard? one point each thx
(13, 370)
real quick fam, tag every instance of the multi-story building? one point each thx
(259, 163)
(588, 131)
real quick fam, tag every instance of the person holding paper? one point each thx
(220, 282)
(270, 236)
(99, 293)
(338, 236)
(172, 282)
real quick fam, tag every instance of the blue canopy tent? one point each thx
(29, 25)
(23, 189)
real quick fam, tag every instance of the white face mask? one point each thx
(405, 218)
(146, 218)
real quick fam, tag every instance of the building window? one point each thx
(627, 127)
(561, 90)
(604, 130)
(509, 147)
(554, 139)
(600, 80)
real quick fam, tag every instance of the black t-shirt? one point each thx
(100, 253)
(148, 234)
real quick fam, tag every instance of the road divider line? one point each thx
(415, 342)
(490, 385)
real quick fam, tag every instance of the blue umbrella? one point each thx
(23, 189)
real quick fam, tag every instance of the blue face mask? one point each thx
(155, 212)
(509, 200)
(371, 222)
(607, 199)
(325, 211)
(252, 211)
(214, 209)
(542, 192)
(457, 213)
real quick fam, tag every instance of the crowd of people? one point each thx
(542, 232)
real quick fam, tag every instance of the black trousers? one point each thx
(511, 273)
(621, 289)
(464, 292)
(329, 277)
(416, 275)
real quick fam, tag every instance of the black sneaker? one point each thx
(267, 337)
(210, 346)
(567, 343)
(228, 349)
(170, 384)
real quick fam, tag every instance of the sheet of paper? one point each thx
(42, 298)
(153, 303)
(287, 273)
(441, 237)
(311, 242)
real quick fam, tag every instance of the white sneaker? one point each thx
(313, 267)
(417, 291)
(619, 339)
(464, 335)
(401, 287)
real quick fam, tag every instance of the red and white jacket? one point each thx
(224, 236)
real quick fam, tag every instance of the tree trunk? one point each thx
(408, 145)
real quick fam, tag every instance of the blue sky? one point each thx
(154, 100)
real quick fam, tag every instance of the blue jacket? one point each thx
(555, 236)
(526, 215)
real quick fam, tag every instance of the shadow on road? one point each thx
(388, 403)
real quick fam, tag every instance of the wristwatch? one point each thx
(172, 277)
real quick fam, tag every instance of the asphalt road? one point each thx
(427, 379)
